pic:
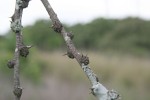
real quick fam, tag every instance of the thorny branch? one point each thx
(21, 49)
(97, 89)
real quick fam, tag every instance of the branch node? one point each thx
(84, 60)
(57, 26)
(70, 55)
(23, 3)
(24, 50)
(11, 64)
(18, 92)
(113, 95)
(16, 25)
(70, 34)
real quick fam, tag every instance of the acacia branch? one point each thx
(21, 49)
(97, 89)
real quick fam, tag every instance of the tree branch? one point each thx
(97, 89)
(21, 49)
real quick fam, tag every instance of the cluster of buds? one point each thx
(24, 50)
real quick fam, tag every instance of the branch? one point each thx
(21, 49)
(97, 89)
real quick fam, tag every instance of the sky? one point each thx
(75, 11)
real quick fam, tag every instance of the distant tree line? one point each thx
(126, 35)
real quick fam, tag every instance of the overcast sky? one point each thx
(74, 11)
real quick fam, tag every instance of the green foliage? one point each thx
(130, 35)
(91, 34)
(42, 36)
(33, 66)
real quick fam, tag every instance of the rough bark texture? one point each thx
(97, 89)
(19, 51)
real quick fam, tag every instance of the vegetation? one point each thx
(128, 75)
(104, 38)
(130, 35)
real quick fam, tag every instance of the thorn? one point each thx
(29, 46)
(10, 21)
(12, 18)
(64, 54)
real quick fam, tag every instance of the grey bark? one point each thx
(97, 89)
(21, 49)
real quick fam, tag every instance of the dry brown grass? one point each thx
(128, 74)
(64, 79)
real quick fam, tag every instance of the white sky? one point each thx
(74, 11)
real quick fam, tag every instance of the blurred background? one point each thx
(115, 34)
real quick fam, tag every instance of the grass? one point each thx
(127, 74)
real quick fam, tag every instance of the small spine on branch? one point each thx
(69, 54)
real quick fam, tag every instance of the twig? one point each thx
(97, 89)
(21, 49)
